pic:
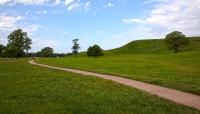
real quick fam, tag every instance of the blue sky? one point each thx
(109, 23)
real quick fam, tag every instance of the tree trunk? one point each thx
(176, 49)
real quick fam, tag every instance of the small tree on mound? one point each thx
(95, 51)
(175, 40)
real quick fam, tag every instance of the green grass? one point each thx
(153, 46)
(30, 89)
(159, 66)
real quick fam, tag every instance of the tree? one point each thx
(1, 48)
(11, 51)
(176, 40)
(95, 51)
(46, 52)
(90, 51)
(27, 45)
(75, 46)
(20, 40)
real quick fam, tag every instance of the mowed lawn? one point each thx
(31, 89)
(179, 71)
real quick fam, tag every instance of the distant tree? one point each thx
(90, 51)
(46, 52)
(19, 40)
(175, 40)
(75, 46)
(1, 48)
(95, 51)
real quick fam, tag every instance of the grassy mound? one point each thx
(153, 46)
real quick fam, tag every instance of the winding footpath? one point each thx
(176, 96)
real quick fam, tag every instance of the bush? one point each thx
(46, 52)
(95, 51)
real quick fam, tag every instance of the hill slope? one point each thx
(153, 46)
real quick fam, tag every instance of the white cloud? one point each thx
(31, 2)
(153, 1)
(128, 21)
(109, 5)
(73, 5)
(87, 5)
(32, 28)
(8, 23)
(68, 2)
(39, 43)
(181, 15)
(101, 31)
(57, 2)
(41, 12)
(25, 2)
(4, 1)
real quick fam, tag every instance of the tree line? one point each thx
(19, 44)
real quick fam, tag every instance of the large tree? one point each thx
(95, 51)
(176, 40)
(46, 52)
(75, 46)
(20, 40)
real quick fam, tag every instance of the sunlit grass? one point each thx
(179, 71)
(30, 89)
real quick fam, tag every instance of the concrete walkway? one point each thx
(176, 96)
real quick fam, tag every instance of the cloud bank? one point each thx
(170, 15)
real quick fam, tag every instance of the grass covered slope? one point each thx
(153, 46)
(179, 71)
(30, 89)
(140, 60)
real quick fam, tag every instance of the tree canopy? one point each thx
(46, 52)
(95, 51)
(19, 42)
(176, 40)
(75, 46)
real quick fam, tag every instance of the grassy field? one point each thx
(179, 71)
(30, 89)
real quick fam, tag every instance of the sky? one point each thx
(108, 23)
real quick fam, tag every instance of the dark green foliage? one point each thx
(46, 52)
(19, 40)
(12, 51)
(90, 51)
(1, 48)
(176, 40)
(95, 51)
(27, 44)
(75, 46)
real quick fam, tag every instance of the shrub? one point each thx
(95, 51)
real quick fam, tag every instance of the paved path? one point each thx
(183, 98)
